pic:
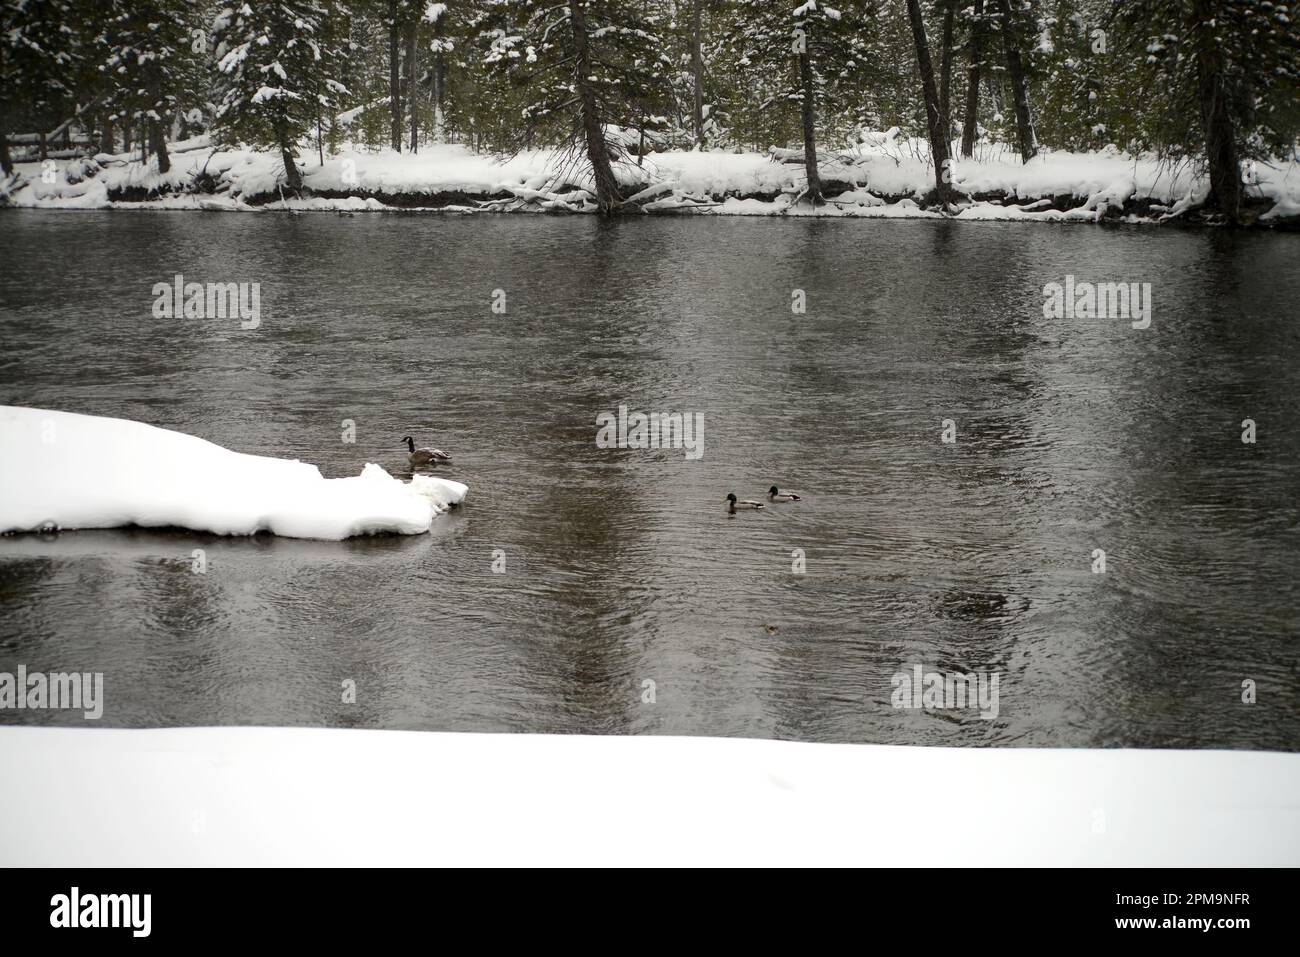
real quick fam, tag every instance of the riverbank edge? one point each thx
(1076, 188)
(1134, 210)
(985, 206)
(1069, 208)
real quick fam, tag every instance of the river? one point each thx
(624, 599)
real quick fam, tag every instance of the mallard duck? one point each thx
(732, 504)
(424, 456)
(774, 494)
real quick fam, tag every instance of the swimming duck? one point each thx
(774, 494)
(424, 456)
(732, 504)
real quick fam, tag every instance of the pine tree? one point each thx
(1009, 26)
(946, 46)
(276, 73)
(40, 53)
(970, 118)
(936, 124)
(697, 71)
(1224, 80)
(402, 22)
(441, 45)
(584, 67)
(814, 56)
(152, 63)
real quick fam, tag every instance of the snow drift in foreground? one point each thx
(275, 796)
(66, 470)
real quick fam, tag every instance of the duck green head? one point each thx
(773, 490)
(731, 496)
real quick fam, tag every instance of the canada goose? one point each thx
(424, 456)
(774, 494)
(732, 504)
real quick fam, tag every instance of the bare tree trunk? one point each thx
(157, 135)
(970, 126)
(1016, 73)
(439, 84)
(808, 109)
(412, 80)
(945, 69)
(44, 151)
(697, 69)
(159, 146)
(106, 144)
(394, 78)
(1220, 145)
(1216, 118)
(934, 122)
(6, 161)
(292, 175)
(608, 196)
(439, 80)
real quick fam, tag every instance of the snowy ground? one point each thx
(142, 475)
(226, 796)
(888, 172)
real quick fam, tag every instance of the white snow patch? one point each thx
(276, 796)
(322, 204)
(883, 163)
(69, 471)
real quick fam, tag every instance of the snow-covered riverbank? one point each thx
(260, 796)
(61, 470)
(882, 178)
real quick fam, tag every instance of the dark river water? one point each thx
(622, 566)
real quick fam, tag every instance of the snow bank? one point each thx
(885, 175)
(64, 470)
(277, 796)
